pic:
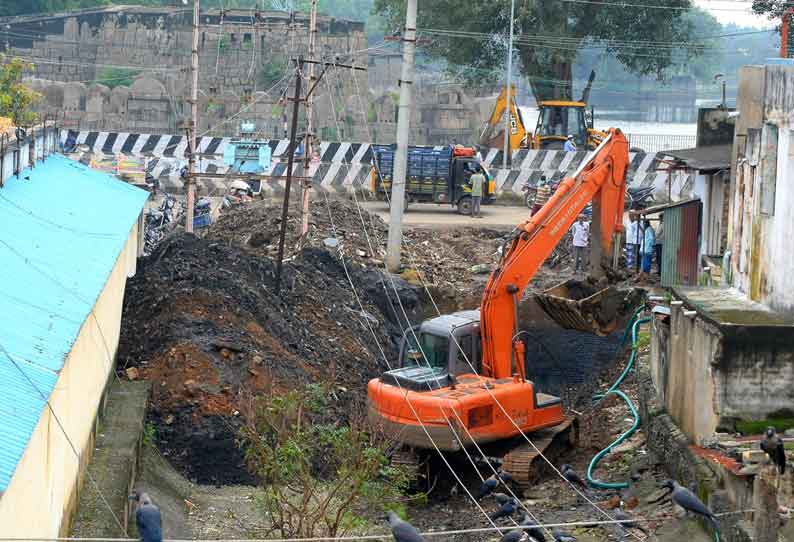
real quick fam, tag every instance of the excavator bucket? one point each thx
(582, 305)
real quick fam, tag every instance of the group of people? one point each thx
(644, 242)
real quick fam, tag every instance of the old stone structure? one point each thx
(126, 68)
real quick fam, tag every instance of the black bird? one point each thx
(572, 476)
(513, 536)
(402, 530)
(147, 518)
(687, 500)
(560, 536)
(487, 487)
(773, 446)
(531, 527)
(508, 506)
(621, 515)
(506, 476)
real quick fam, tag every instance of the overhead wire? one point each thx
(352, 538)
(332, 111)
(495, 399)
(418, 342)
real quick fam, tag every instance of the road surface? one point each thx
(430, 215)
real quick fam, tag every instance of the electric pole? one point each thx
(510, 97)
(403, 125)
(293, 144)
(308, 140)
(193, 121)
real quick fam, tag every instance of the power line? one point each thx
(382, 536)
(651, 6)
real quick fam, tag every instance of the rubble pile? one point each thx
(456, 260)
(204, 325)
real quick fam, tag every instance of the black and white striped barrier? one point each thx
(345, 166)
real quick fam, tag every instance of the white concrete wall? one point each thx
(41, 496)
(690, 389)
(777, 290)
(709, 189)
(761, 244)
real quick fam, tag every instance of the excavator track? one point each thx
(409, 460)
(524, 461)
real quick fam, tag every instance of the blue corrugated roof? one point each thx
(62, 228)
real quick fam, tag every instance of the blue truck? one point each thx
(434, 175)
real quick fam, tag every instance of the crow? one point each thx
(147, 518)
(516, 535)
(508, 506)
(560, 536)
(621, 515)
(571, 475)
(531, 527)
(687, 500)
(402, 530)
(487, 487)
(773, 446)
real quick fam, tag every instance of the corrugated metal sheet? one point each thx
(681, 252)
(62, 228)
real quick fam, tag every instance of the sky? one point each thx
(734, 11)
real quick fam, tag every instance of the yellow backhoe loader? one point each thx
(556, 120)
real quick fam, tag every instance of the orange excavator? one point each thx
(461, 377)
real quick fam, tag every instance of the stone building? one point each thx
(127, 67)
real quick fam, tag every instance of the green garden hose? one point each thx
(634, 323)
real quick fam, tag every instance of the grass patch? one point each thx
(643, 339)
(758, 427)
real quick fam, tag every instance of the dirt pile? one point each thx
(203, 324)
(456, 261)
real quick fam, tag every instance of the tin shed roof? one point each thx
(709, 158)
(62, 228)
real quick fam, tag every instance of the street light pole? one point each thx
(510, 97)
(191, 179)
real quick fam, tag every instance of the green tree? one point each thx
(317, 477)
(774, 9)
(549, 35)
(16, 99)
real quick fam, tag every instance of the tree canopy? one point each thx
(16, 99)
(646, 38)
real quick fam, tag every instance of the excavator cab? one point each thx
(434, 353)
(557, 119)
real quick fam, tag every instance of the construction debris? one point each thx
(203, 324)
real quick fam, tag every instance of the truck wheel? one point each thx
(464, 205)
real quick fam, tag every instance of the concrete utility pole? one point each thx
(307, 142)
(510, 97)
(193, 122)
(401, 156)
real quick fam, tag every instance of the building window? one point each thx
(246, 39)
(768, 169)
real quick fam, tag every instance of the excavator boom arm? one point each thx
(601, 179)
(493, 132)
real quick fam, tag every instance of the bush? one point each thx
(317, 477)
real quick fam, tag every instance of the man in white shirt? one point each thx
(581, 238)
(634, 237)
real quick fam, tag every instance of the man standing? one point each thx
(633, 240)
(648, 243)
(477, 180)
(570, 144)
(659, 242)
(581, 238)
(542, 194)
